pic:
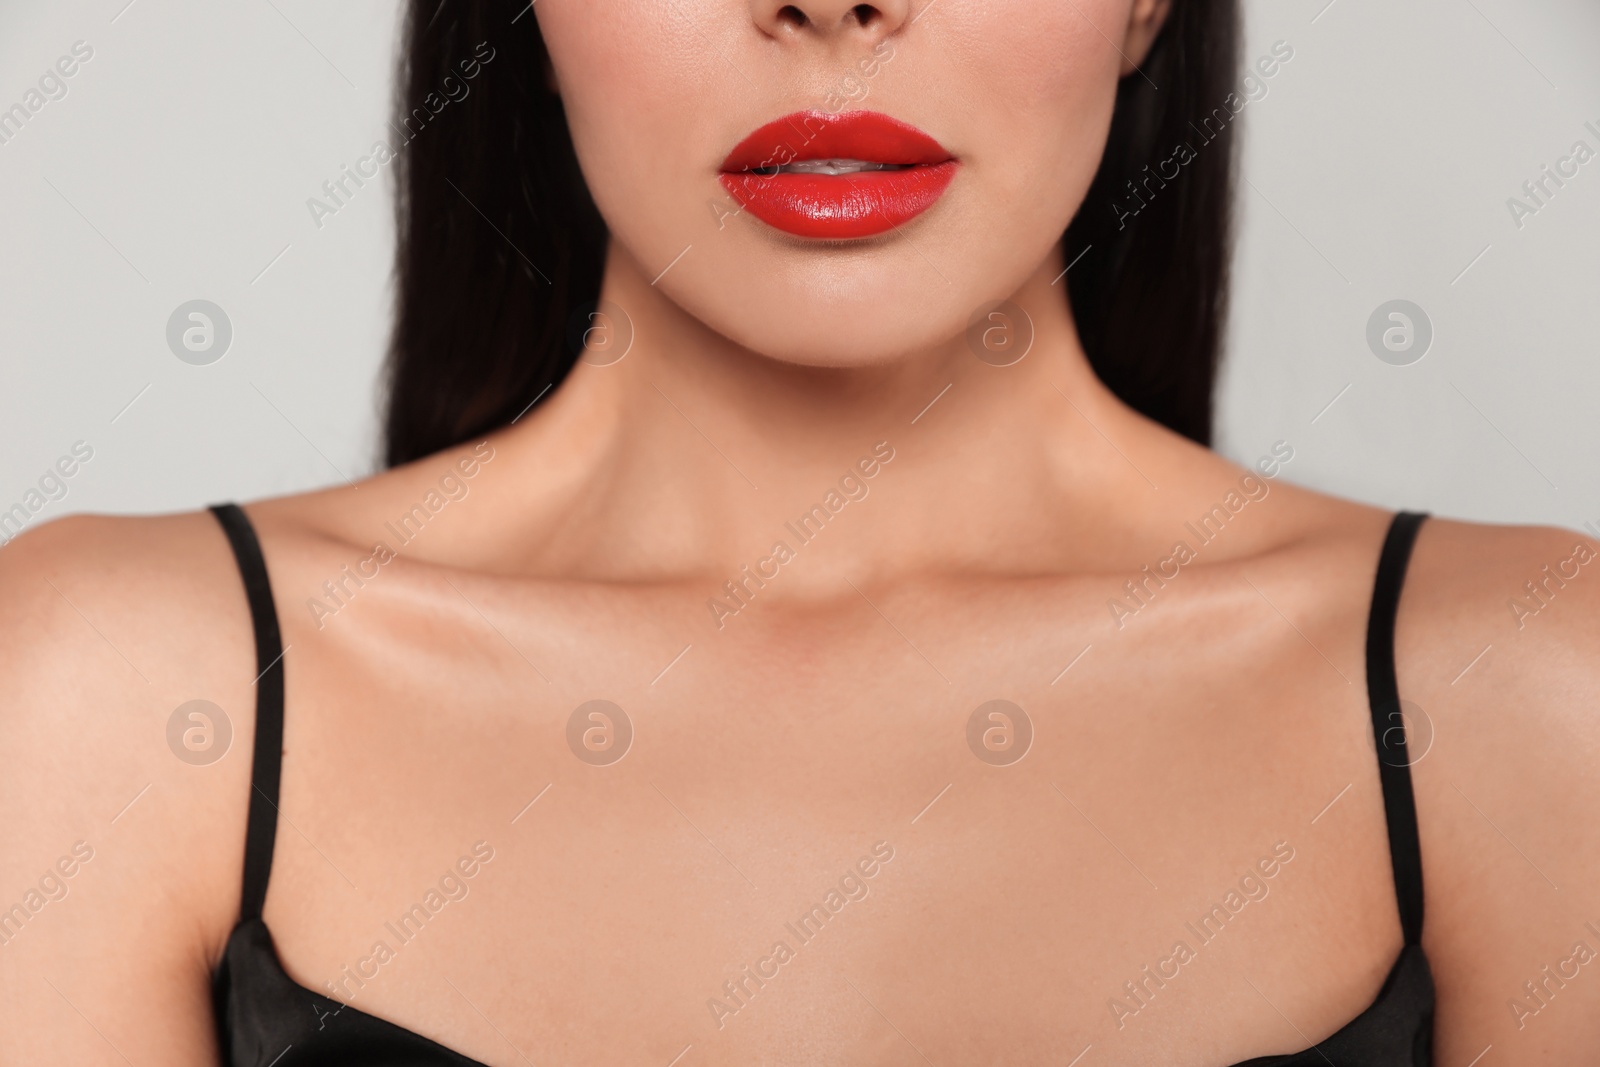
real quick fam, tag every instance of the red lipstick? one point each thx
(838, 176)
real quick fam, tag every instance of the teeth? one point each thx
(828, 166)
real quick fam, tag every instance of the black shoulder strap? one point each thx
(1388, 727)
(267, 760)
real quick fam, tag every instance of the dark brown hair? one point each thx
(499, 243)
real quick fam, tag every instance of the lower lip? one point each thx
(840, 206)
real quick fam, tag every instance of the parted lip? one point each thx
(867, 136)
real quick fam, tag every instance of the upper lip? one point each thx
(867, 136)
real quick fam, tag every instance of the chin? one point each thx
(864, 304)
(836, 326)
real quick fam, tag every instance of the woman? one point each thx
(800, 621)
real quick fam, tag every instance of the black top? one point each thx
(266, 1019)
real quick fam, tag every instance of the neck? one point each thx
(691, 456)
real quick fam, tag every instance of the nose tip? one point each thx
(831, 19)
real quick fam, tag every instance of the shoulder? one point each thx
(1499, 641)
(109, 627)
(127, 708)
(1531, 590)
(104, 601)
(1498, 653)
(1505, 620)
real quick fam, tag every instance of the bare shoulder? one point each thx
(1541, 583)
(1502, 624)
(1498, 648)
(128, 668)
(1497, 652)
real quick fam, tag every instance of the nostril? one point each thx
(792, 15)
(865, 14)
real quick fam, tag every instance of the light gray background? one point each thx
(1377, 167)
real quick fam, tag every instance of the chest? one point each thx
(854, 837)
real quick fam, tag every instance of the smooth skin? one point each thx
(1226, 716)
